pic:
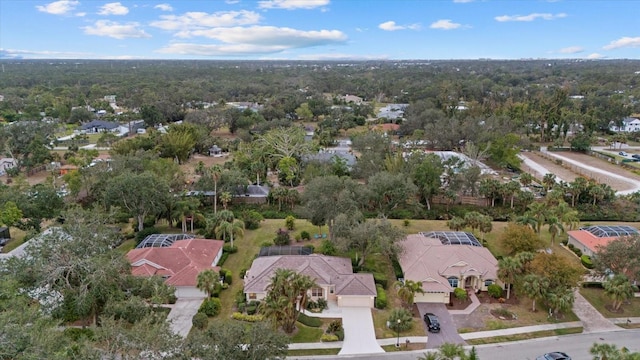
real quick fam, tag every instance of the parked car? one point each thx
(636, 156)
(557, 355)
(622, 153)
(433, 324)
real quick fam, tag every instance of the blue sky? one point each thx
(320, 29)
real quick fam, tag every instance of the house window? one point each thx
(453, 281)
(252, 296)
(488, 283)
(316, 292)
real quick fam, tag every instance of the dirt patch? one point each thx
(457, 304)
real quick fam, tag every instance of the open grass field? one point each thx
(528, 336)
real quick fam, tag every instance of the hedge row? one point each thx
(246, 317)
(586, 261)
(381, 299)
(309, 321)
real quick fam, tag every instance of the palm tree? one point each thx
(511, 189)
(538, 211)
(450, 351)
(535, 287)
(508, 270)
(555, 227)
(187, 208)
(619, 289)
(568, 217)
(225, 198)
(216, 173)
(208, 280)
(548, 181)
(456, 223)
(286, 297)
(560, 300)
(407, 291)
(526, 179)
(597, 192)
(578, 186)
(279, 194)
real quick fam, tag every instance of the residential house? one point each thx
(589, 238)
(328, 155)
(215, 151)
(629, 124)
(179, 263)
(442, 261)
(334, 276)
(98, 126)
(131, 128)
(392, 111)
(351, 99)
(251, 194)
(6, 163)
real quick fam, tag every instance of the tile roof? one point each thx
(181, 262)
(325, 270)
(589, 240)
(428, 261)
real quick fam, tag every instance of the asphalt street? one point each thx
(577, 346)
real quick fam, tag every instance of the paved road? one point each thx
(577, 346)
(448, 331)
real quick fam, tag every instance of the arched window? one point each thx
(453, 281)
(488, 282)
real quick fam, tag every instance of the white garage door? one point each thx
(432, 298)
(355, 301)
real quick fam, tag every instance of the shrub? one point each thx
(76, 334)
(251, 308)
(322, 304)
(290, 222)
(243, 272)
(247, 318)
(251, 219)
(592, 284)
(223, 258)
(200, 321)
(339, 334)
(380, 279)
(571, 246)
(227, 277)
(381, 298)
(335, 325)
(495, 291)
(460, 294)
(586, 261)
(305, 235)
(282, 237)
(406, 222)
(405, 316)
(577, 252)
(297, 237)
(242, 307)
(309, 321)
(327, 247)
(266, 243)
(230, 249)
(397, 269)
(210, 307)
(328, 338)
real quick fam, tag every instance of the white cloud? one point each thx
(164, 7)
(199, 20)
(273, 36)
(116, 30)
(530, 17)
(392, 26)
(254, 40)
(595, 56)
(115, 8)
(334, 56)
(231, 2)
(445, 24)
(623, 42)
(292, 4)
(462, 1)
(80, 14)
(60, 7)
(571, 50)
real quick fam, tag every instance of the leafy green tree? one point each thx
(141, 194)
(427, 177)
(151, 115)
(620, 256)
(289, 169)
(28, 143)
(286, 297)
(539, 212)
(535, 288)
(555, 227)
(369, 236)
(456, 223)
(10, 214)
(390, 191)
(207, 281)
(619, 289)
(517, 238)
(611, 352)
(508, 270)
(176, 145)
(504, 151)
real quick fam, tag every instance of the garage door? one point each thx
(355, 301)
(432, 298)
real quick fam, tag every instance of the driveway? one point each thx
(448, 331)
(359, 334)
(592, 320)
(181, 315)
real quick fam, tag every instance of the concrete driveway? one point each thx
(359, 334)
(181, 315)
(448, 331)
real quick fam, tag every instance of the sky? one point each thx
(320, 29)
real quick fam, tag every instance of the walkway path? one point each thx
(181, 315)
(592, 320)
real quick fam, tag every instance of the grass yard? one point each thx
(306, 334)
(380, 318)
(17, 239)
(602, 303)
(404, 346)
(313, 352)
(528, 336)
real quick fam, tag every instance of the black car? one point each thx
(432, 322)
(557, 355)
(636, 156)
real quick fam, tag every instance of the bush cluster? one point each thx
(329, 338)
(309, 320)
(380, 279)
(210, 307)
(495, 291)
(200, 321)
(586, 261)
(381, 298)
(246, 317)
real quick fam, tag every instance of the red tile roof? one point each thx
(181, 262)
(589, 240)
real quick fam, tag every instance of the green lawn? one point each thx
(602, 303)
(528, 336)
(306, 334)
(17, 238)
(312, 352)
